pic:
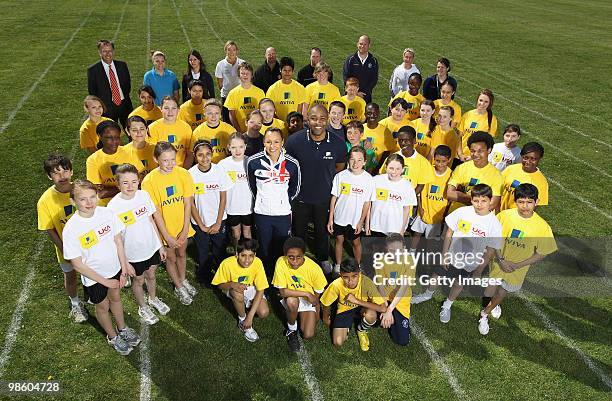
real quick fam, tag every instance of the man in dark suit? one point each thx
(109, 80)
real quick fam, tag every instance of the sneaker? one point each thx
(364, 340)
(183, 296)
(119, 344)
(496, 312)
(147, 315)
(445, 315)
(293, 340)
(78, 313)
(422, 297)
(190, 289)
(128, 282)
(129, 336)
(158, 304)
(326, 266)
(337, 268)
(483, 325)
(250, 334)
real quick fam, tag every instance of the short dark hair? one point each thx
(124, 169)
(161, 147)
(349, 265)
(106, 125)
(148, 89)
(105, 42)
(287, 61)
(532, 147)
(416, 75)
(55, 161)
(358, 149)
(443, 150)
(373, 105)
(355, 124)
(294, 242)
(446, 62)
(481, 190)
(295, 114)
(196, 82)
(401, 101)
(407, 129)
(513, 128)
(246, 244)
(481, 136)
(338, 103)
(526, 191)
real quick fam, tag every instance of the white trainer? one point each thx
(78, 313)
(147, 315)
(445, 315)
(483, 325)
(183, 296)
(160, 305)
(496, 312)
(250, 334)
(190, 288)
(422, 297)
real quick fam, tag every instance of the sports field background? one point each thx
(548, 65)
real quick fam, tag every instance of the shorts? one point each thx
(66, 267)
(431, 231)
(348, 232)
(235, 219)
(143, 266)
(304, 306)
(249, 295)
(511, 287)
(346, 319)
(97, 292)
(376, 234)
(511, 282)
(452, 272)
(400, 330)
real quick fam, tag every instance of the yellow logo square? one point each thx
(382, 194)
(199, 188)
(127, 218)
(497, 157)
(232, 175)
(88, 240)
(464, 226)
(345, 189)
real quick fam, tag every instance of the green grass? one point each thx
(547, 64)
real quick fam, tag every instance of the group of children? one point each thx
(423, 168)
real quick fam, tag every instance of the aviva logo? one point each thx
(68, 210)
(474, 124)
(286, 95)
(434, 189)
(113, 168)
(88, 240)
(517, 233)
(199, 188)
(214, 142)
(350, 111)
(171, 190)
(515, 183)
(297, 282)
(464, 226)
(127, 218)
(243, 279)
(321, 96)
(382, 194)
(345, 189)
(246, 100)
(171, 138)
(473, 181)
(420, 135)
(198, 116)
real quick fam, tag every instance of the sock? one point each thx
(241, 318)
(447, 304)
(483, 314)
(364, 325)
(292, 327)
(485, 301)
(74, 301)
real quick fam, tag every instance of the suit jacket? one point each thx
(98, 84)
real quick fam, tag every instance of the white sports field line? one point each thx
(570, 343)
(145, 363)
(148, 31)
(309, 377)
(213, 30)
(229, 10)
(42, 76)
(116, 34)
(178, 16)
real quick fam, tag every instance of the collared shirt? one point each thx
(163, 85)
(106, 66)
(317, 162)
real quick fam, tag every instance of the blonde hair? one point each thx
(92, 98)
(81, 185)
(322, 66)
(212, 102)
(228, 44)
(155, 53)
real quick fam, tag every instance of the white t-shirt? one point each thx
(502, 156)
(472, 234)
(140, 239)
(93, 239)
(239, 197)
(399, 78)
(352, 192)
(388, 201)
(229, 73)
(208, 187)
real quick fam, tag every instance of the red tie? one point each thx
(114, 86)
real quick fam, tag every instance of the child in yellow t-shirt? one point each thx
(147, 109)
(378, 136)
(445, 133)
(140, 147)
(447, 91)
(322, 91)
(412, 96)
(244, 98)
(268, 110)
(355, 105)
(479, 119)
(526, 172)
(424, 127)
(243, 279)
(396, 120)
(88, 139)
(172, 130)
(192, 111)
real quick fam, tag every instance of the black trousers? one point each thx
(119, 113)
(318, 214)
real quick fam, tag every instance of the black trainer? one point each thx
(293, 340)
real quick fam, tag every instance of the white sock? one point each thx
(74, 301)
(483, 314)
(292, 327)
(447, 304)
(241, 318)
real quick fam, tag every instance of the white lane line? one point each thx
(581, 199)
(213, 30)
(309, 377)
(145, 363)
(437, 360)
(251, 34)
(570, 343)
(42, 76)
(116, 35)
(180, 20)
(148, 31)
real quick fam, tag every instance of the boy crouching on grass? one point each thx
(357, 296)
(301, 282)
(527, 240)
(243, 279)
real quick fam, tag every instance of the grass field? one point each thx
(546, 63)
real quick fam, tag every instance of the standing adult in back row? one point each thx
(363, 66)
(267, 73)
(226, 73)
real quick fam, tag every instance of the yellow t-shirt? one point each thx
(414, 103)
(101, 167)
(513, 176)
(472, 122)
(522, 237)
(393, 128)
(379, 137)
(243, 101)
(456, 110)
(87, 133)
(402, 272)
(417, 169)
(423, 137)
(192, 114)
(145, 155)
(449, 138)
(54, 209)
(286, 97)
(168, 192)
(308, 278)
(150, 116)
(467, 175)
(230, 271)
(433, 198)
(275, 123)
(355, 109)
(178, 134)
(218, 137)
(322, 94)
(365, 291)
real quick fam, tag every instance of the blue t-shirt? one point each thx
(162, 85)
(317, 164)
